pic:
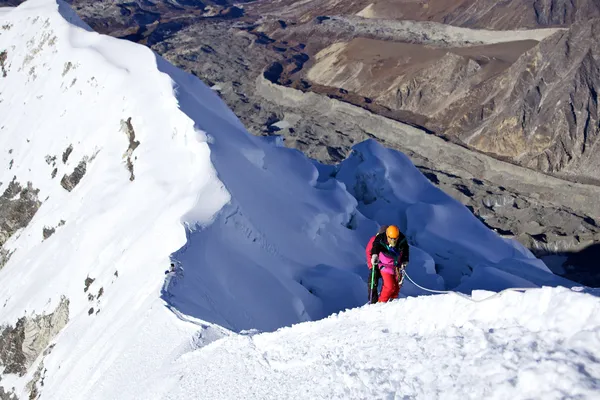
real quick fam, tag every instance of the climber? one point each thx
(387, 256)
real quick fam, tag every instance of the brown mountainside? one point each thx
(488, 14)
(484, 14)
(542, 111)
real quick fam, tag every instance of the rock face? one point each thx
(490, 14)
(18, 205)
(7, 395)
(542, 112)
(39, 331)
(11, 345)
(486, 14)
(22, 344)
(411, 77)
(70, 181)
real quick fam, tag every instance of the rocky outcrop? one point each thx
(18, 205)
(67, 152)
(4, 257)
(7, 395)
(127, 127)
(564, 12)
(39, 331)
(70, 181)
(11, 348)
(34, 386)
(20, 345)
(3, 56)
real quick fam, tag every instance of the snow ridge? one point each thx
(543, 343)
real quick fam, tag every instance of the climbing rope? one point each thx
(462, 294)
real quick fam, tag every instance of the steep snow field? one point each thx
(260, 236)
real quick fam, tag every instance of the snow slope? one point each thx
(261, 236)
(543, 344)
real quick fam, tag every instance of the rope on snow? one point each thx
(462, 294)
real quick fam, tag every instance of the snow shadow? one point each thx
(283, 248)
(579, 266)
(249, 287)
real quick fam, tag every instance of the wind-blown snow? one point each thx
(261, 237)
(541, 344)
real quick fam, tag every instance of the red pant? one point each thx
(390, 288)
